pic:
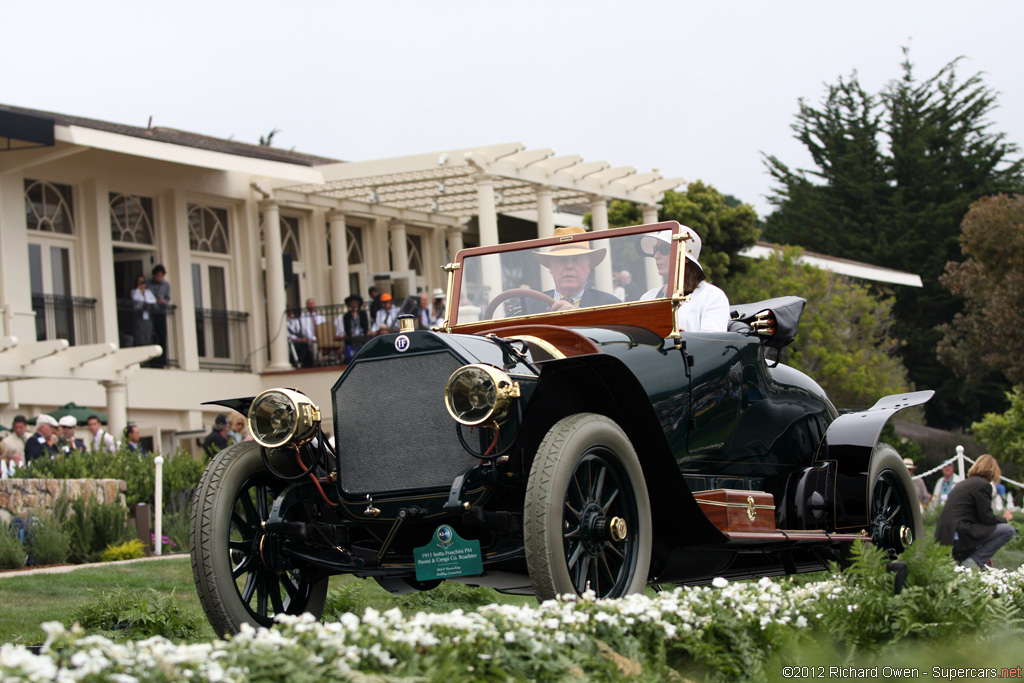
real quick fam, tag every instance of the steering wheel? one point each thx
(513, 293)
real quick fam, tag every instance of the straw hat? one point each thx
(569, 248)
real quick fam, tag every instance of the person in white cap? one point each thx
(437, 308)
(708, 307)
(101, 439)
(44, 441)
(67, 441)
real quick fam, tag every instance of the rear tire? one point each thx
(587, 514)
(894, 515)
(235, 586)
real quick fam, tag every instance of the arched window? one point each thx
(290, 237)
(208, 229)
(48, 207)
(131, 219)
(414, 244)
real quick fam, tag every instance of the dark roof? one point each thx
(180, 137)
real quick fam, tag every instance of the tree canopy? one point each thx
(725, 225)
(1003, 433)
(845, 339)
(894, 174)
(982, 338)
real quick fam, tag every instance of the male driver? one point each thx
(14, 444)
(67, 441)
(44, 441)
(100, 437)
(570, 265)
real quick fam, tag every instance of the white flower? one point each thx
(719, 582)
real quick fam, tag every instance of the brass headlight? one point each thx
(280, 416)
(478, 393)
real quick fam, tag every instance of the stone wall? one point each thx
(23, 497)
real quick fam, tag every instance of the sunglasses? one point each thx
(663, 248)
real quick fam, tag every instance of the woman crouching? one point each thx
(967, 522)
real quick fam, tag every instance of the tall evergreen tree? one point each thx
(895, 174)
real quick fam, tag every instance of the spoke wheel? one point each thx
(587, 513)
(894, 516)
(240, 575)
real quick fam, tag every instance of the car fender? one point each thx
(848, 445)
(603, 384)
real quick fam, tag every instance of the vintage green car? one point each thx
(548, 447)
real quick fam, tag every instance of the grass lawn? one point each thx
(30, 600)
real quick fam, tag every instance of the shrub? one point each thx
(138, 614)
(12, 550)
(181, 471)
(129, 550)
(94, 526)
(48, 542)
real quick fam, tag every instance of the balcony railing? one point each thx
(138, 327)
(326, 349)
(223, 339)
(65, 317)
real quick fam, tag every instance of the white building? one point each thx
(86, 206)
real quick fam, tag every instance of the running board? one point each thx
(794, 536)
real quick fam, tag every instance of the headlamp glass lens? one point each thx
(272, 419)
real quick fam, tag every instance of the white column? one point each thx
(99, 258)
(275, 286)
(178, 262)
(454, 243)
(545, 212)
(339, 257)
(117, 406)
(650, 215)
(599, 220)
(15, 295)
(487, 218)
(399, 247)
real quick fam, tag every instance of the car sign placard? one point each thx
(448, 555)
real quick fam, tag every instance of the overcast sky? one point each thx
(691, 89)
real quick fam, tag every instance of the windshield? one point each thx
(571, 271)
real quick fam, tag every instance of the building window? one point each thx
(131, 219)
(414, 244)
(290, 237)
(355, 246)
(208, 229)
(48, 207)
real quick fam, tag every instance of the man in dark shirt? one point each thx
(44, 441)
(216, 440)
(161, 289)
(67, 441)
(133, 438)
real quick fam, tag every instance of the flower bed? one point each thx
(727, 630)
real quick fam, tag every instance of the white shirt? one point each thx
(385, 318)
(308, 322)
(102, 439)
(706, 311)
(143, 300)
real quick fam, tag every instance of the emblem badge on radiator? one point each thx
(401, 343)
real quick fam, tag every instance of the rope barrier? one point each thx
(960, 454)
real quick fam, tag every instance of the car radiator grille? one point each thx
(392, 430)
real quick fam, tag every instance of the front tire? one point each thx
(894, 515)
(235, 587)
(587, 513)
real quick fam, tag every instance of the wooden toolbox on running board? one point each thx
(735, 510)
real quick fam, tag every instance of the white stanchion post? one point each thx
(3, 469)
(158, 504)
(960, 460)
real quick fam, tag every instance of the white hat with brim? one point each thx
(438, 293)
(45, 419)
(909, 463)
(68, 421)
(545, 257)
(649, 242)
